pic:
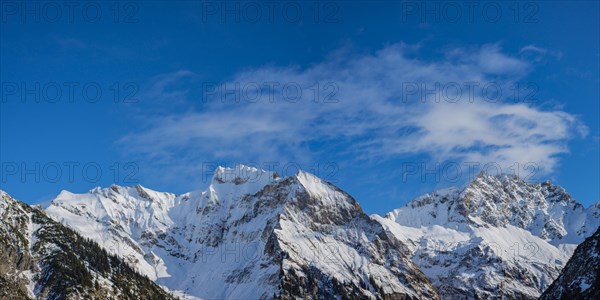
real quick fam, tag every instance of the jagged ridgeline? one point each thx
(42, 259)
(254, 235)
(497, 238)
(249, 235)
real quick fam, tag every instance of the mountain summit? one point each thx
(497, 236)
(251, 235)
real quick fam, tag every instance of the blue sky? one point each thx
(397, 98)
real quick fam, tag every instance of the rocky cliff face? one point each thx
(42, 259)
(249, 235)
(498, 236)
(580, 278)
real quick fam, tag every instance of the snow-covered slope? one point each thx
(249, 235)
(497, 236)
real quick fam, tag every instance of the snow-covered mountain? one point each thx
(249, 235)
(498, 236)
(580, 278)
(42, 259)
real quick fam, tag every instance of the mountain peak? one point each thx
(496, 226)
(544, 209)
(250, 234)
(241, 174)
(486, 178)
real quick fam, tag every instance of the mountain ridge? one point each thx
(580, 278)
(492, 228)
(42, 259)
(304, 238)
(301, 236)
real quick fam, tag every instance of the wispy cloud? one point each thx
(459, 107)
(71, 43)
(537, 54)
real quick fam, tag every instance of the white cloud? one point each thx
(376, 114)
(533, 48)
(537, 54)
